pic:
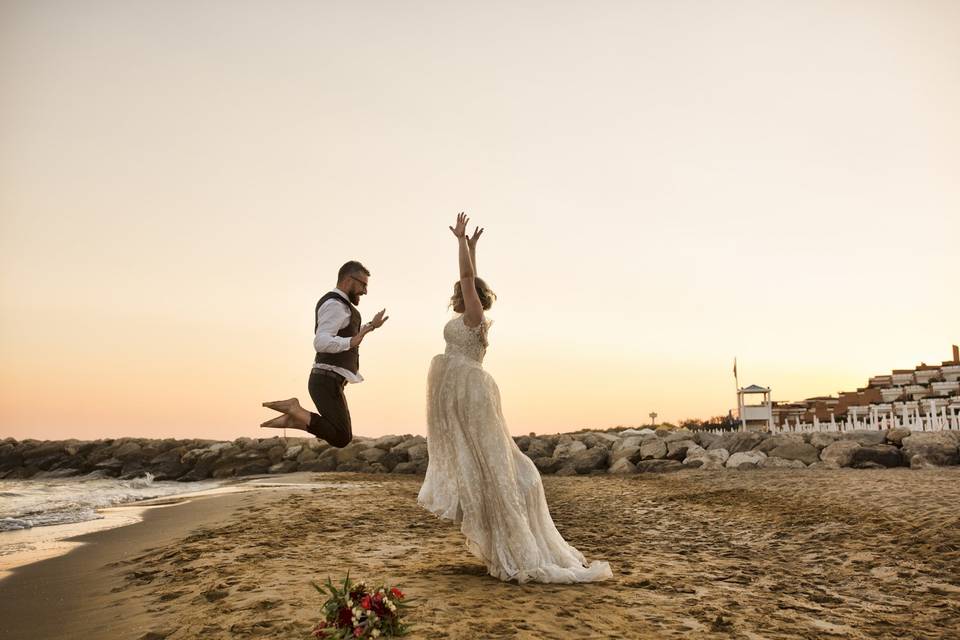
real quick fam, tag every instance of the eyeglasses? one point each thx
(363, 282)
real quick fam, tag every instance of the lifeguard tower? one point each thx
(755, 417)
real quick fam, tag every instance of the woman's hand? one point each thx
(472, 240)
(460, 231)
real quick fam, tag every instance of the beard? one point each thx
(354, 298)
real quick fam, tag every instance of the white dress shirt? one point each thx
(331, 318)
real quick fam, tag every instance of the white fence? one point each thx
(944, 419)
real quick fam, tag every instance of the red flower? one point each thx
(344, 617)
(396, 593)
(365, 603)
(358, 632)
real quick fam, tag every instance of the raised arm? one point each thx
(472, 308)
(472, 243)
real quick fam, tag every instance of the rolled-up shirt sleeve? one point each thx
(331, 318)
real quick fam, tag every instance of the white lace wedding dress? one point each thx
(477, 475)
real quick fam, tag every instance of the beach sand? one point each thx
(751, 554)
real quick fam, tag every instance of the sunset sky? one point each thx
(665, 185)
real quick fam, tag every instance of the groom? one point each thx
(337, 337)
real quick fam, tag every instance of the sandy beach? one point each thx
(759, 554)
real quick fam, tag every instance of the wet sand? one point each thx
(714, 554)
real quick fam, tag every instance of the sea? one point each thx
(25, 504)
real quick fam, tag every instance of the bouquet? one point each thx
(358, 611)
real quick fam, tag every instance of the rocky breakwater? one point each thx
(582, 453)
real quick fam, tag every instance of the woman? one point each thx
(477, 475)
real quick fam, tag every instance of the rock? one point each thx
(771, 443)
(287, 466)
(629, 453)
(409, 442)
(547, 464)
(586, 461)
(354, 466)
(598, 440)
(896, 436)
(677, 449)
(918, 461)
(307, 455)
(937, 447)
(637, 432)
(653, 449)
(821, 439)
(745, 459)
(373, 454)
(320, 465)
(567, 449)
(772, 462)
(805, 453)
(884, 455)
(705, 438)
(566, 470)
(293, 452)
(678, 435)
(418, 453)
(658, 466)
(411, 467)
(840, 453)
(622, 467)
(737, 441)
(349, 452)
(387, 442)
(864, 438)
(539, 448)
(255, 468)
(823, 464)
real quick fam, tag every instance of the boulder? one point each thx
(706, 459)
(737, 441)
(287, 466)
(373, 454)
(840, 453)
(604, 440)
(677, 449)
(586, 461)
(539, 448)
(652, 449)
(805, 453)
(772, 442)
(884, 455)
(678, 435)
(254, 468)
(387, 442)
(658, 466)
(745, 459)
(418, 453)
(293, 452)
(414, 466)
(567, 449)
(626, 453)
(705, 438)
(622, 467)
(937, 447)
(821, 439)
(772, 462)
(355, 465)
(320, 465)
(864, 438)
(637, 432)
(547, 464)
(896, 436)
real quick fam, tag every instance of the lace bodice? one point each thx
(470, 342)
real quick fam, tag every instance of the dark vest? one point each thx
(349, 359)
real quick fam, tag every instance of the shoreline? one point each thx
(765, 553)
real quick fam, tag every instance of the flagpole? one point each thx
(736, 384)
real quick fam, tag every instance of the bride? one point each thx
(477, 475)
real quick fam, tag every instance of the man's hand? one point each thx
(379, 319)
(461, 229)
(472, 240)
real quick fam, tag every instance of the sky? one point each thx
(665, 185)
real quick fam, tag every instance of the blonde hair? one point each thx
(485, 293)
